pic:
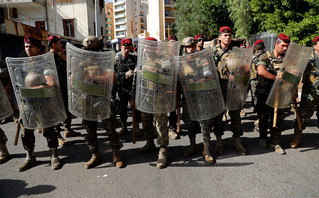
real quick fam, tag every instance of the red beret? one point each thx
(199, 36)
(284, 38)
(151, 39)
(225, 29)
(33, 41)
(315, 39)
(126, 42)
(172, 37)
(258, 41)
(53, 38)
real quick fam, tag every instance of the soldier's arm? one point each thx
(261, 70)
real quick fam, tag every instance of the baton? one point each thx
(16, 138)
(133, 118)
(275, 117)
(297, 115)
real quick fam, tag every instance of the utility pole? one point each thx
(96, 19)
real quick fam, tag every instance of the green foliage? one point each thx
(193, 17)
(299, 19)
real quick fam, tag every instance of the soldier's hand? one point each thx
(129, 74)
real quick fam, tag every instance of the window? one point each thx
(68, 27)
(109, 37)
(109, 19)
(109, 31)
(40, 25)
(167, 13)
(14, 13)
(109, 25)
(167, 2)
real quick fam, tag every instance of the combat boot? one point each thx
(139, 132)
(117, 159)
(95, 160)
(55, 161)
(318, 143)
(4, 154)
(277, 148)
(162, 158)
(123, 131)
(219, 148)
(242, 113)
(296, 140)
(239, 147)
(206, 153)
(192, 148)
(29, 162)
(256, 124)
(148, 147)
(70, 133)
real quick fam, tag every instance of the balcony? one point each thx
(118, 2)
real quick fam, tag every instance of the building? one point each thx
(129, 18)
(160, 19)
(109, 18)
(73, 20)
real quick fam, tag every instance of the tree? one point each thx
(194, 17)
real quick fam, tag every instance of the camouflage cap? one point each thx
(188, 41)
(91, 42)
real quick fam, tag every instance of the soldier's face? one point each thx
(190, 49)
(199, 42)
(225, 38)
(316, 48)
(58, 46)
(125, 50)
(281, 47)
(31, 50)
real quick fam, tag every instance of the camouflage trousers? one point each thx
(161, 127)
(253, 85)
(235, 124)
(3, 137)
(92, 139)
(235, 119)
(194, 127)
(266, 114)
(306, 110)
(28, 138)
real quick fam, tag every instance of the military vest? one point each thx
(221, 55)
(254, 63)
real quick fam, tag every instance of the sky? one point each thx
(109, 1)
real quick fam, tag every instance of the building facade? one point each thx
(130, 18)
(109, 18)
(160, 19)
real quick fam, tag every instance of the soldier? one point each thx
(33, 47)
(154, 68)
(125, 64)
(259, 51)
(192, 76)
(56, 45)
(267, 68)
(172, 119)
(91, 43)
(310, 94)
(221, 53)
(199, 38)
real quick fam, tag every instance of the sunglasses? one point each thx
(200, 40)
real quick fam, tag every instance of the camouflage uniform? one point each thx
(256, 60)
(310, 93)
(221, 55)
(264, 112)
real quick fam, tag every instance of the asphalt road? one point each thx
(261, 173)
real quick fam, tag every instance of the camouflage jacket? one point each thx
(221, 55)
(311, 78)
(259, 58)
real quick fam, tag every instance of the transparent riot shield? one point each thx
(36, 86)
(5, 106)
(238, 64)
(200, 85)
(90, 82)
(285, 87)
(156, 81)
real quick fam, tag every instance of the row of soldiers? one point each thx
(264, 69)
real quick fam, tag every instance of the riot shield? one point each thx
(90, 82)
(5, 106)
(156, 81)
(36, 86)
(238, 65)
(200, 85)
(284, 88)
